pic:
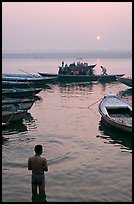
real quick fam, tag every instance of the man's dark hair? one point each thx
(38, 149)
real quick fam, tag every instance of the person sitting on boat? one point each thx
(104, 71)
(60, 70)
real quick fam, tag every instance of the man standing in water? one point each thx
(38, 165)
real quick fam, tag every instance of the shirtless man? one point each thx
(38, 165)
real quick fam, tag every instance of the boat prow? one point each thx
(125, 80)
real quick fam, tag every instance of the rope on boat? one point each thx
(95, 102)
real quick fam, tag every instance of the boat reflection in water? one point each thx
(76, 87)
(114, 136)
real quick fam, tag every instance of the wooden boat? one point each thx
(116, 112)
(20, 93)
(4, 125)
(11, 116)
(16, 84)
(125, 80)
(80, 72)
(33, 80)
(115, 136)
(17, 103)
(83, 78)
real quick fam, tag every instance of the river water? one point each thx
(87, 161)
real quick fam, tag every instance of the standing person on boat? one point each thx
(104, 71)
(62, 64)
(38, 165)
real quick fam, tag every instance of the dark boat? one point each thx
(16, 84)
(17, 103)
(80, 72)
(125, 80)
(20, 93)
(11, 116)
(4, 125)
(17, 80)
(83, 78)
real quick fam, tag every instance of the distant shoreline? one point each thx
(67, 54)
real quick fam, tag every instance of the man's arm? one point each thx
(29, 165)
(45, 166)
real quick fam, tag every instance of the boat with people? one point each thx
(81, 73)
(116, 112)
(76, 68)
(67, 78)
(126, 80)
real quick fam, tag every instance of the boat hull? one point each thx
(83, 78)
(20, 93)
(10, 116)
(126, 81)
(16, 80)
(17, 104)
(117, 125)
(116, 112)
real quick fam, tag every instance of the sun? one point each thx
(98, 37)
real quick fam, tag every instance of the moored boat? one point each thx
(80, 72)
(4, 125)
(116, 112)
(125, 80)
(16, 84)
(11, 116)
(20, 93)
(17, 103)
(35, 81)
(83, 78)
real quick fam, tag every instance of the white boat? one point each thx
(116, 112)
(125, 80)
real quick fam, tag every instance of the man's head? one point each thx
(38, 149)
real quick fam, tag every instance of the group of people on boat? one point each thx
(74, 71)
(78, 63)
(78, 69)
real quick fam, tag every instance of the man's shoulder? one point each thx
(31, 157)
(44, 158)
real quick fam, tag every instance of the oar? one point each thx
(27, 73)
(100, 77)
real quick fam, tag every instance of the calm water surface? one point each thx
(87, 161)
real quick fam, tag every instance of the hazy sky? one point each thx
(66, 25)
